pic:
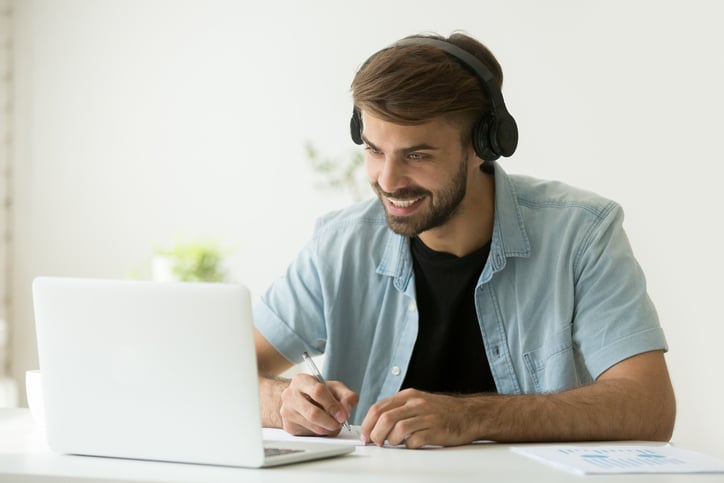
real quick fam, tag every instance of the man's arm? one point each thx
(300, 405)
(270, 363)
(633, 400)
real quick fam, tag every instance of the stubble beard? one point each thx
(444, 204)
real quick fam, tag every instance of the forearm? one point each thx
(606, 410)
(270, 390)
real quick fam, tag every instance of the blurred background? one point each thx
(129, 129)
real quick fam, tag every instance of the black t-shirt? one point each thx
(449, 355)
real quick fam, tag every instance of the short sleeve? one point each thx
(614, 318)
(290, 314)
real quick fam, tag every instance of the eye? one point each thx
(372, 150)
(416, 156)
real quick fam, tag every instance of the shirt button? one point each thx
(395, 371)
(412, 307)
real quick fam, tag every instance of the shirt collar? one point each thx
(509, 238)
(509, 235)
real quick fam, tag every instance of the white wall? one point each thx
(139, 122)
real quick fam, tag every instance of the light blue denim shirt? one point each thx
(560, 300)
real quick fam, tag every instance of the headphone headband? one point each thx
(495, 134)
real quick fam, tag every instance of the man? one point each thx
(464, 303)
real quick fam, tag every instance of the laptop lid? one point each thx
(158, 371)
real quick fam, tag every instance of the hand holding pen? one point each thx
(311, 406)
(316, 373)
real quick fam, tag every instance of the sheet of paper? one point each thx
(622, 458)
(344, 437)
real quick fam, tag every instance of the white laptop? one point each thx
(155, 371)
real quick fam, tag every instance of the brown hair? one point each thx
(413, 83)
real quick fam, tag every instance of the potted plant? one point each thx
(189, 262)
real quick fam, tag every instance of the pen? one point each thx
(315, 372)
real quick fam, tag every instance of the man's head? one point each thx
(427, 76)
(417, 109)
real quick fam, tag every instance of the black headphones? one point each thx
(495, 134)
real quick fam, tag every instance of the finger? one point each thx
(307, 418)
(346, 397)
(380, 419)
(301, 406)
(406, 430)
(297, 424)
(395, 425)
(318, 394)
(322, 397)
(419, 438)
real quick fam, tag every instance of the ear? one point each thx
(475, 160)
(487, 167)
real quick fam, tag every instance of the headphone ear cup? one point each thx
(355, 127)
(481, 137)
(505, 136)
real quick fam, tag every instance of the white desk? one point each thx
(24, 457)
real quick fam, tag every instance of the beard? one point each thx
(443, 204)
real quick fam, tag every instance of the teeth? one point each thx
(403, 203)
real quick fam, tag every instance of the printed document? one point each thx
(622, 458)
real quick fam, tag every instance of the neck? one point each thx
(471, 226)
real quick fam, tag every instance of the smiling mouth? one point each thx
(403, 203)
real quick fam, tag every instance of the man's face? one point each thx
(419, 172)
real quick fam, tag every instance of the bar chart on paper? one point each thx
(621, 459)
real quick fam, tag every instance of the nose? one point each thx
(392, 175)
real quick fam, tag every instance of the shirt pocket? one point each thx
(551, 366)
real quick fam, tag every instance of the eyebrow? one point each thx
(411, 149)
